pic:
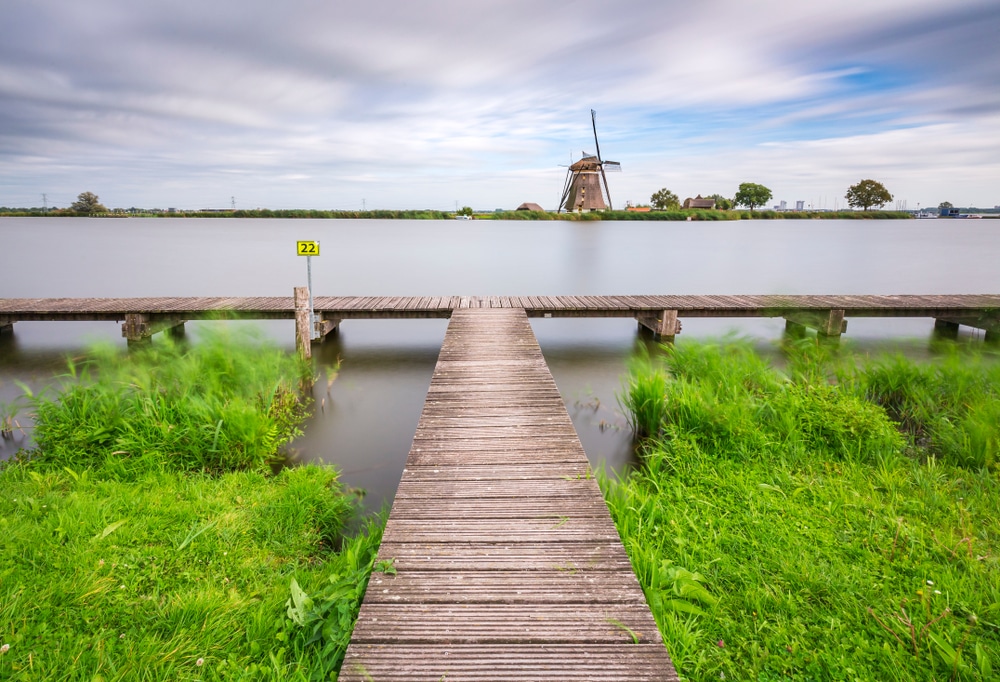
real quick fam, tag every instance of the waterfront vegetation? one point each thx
(148, 537)
(698, 214)
(671, 214)
(835, 519)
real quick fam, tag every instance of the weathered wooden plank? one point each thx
(604, 623)
(481, 489)
(495, 470)
(513, 508)
(591, 555)
(504, 587)
(501, 663)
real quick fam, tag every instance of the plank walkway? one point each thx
(509, 566)
(376, 307)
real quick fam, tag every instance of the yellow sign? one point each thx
(307, 248)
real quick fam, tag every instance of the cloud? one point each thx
(310, 103)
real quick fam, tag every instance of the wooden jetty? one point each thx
(508, 564)
(827, 315)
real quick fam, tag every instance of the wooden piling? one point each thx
(828, 323)
(303, 331)
(945, 329)
(325, 327)
(664, 324)
(140, 327)
(176, 332)
(794, 330)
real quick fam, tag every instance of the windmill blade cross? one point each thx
(593, 122)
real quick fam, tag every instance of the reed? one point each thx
(949, 409)
(221, 405)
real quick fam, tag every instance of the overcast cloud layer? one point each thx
(414, 103)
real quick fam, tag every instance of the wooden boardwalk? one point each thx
(827, 314)
(509, 566)
(375, 307)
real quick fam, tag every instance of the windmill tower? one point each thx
(586, 184)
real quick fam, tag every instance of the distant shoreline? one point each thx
(676, 215)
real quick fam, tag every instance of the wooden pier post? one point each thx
(794, 330)
(945, 329)
(664, 324)
(325, 327)
(303, 332)
(6, 325)
(139, 328)
(176, 332)
(829, 324)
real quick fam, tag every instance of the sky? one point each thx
(399, 104)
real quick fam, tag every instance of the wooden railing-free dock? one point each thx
(828, 315)
(508, 564)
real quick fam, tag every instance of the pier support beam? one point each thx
(139, 328)
(794, 330)
(663, 323)
(303, 334)
(947, 327)
(325, 327)
(6, 325)
(829, 324)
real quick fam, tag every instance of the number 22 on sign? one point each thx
(307, 248)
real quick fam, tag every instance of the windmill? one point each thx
(583, 189)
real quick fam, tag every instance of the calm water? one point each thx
(366, 418)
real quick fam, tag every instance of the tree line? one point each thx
(865, 195)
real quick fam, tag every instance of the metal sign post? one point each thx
(309, 249)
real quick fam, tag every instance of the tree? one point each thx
(664, 200)
(946, 204)
(721, 202)
(88, 203)
(866, 194)
(465, 210)
(752, 195)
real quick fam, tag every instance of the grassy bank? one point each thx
(830, 521)
(146, 536)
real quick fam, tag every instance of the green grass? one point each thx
(784, 527)
(141, 540)
(223, 405)
(949, 409)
